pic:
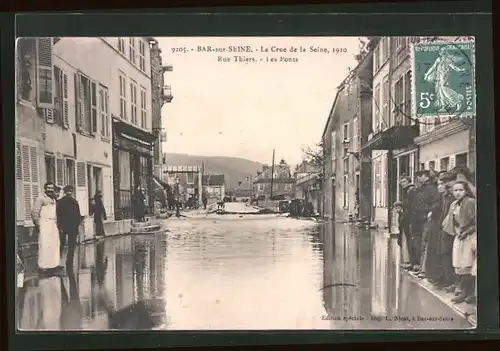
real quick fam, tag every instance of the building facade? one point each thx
(280, 184)
(84, 118)
(185, 180)
(33, 95)
(308, 185)
(347, 182)
(160, 94)
(400, 143)
(214, 186)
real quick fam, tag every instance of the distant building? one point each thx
(214, 186)
(283, 184)
(185, 180)
(244, 189)
(308, 184)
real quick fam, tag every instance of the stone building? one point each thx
(160, 94)
(347, 172)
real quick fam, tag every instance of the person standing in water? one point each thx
(97, 209)
(45, 220)
(68, 220)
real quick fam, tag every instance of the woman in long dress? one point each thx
(45, 220)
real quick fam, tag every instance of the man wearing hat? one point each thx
(426, 200)
(68, 220)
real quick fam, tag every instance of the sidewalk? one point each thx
(467, 311)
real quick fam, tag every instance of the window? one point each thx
(376, 58)
(131, 50)
(346, 192)
(44, 73)
(133, 102)
(355, 134)
(190, 178)
(461, 159)
(386, 102)
(422, 165)
(50, 169)
(61, 111)
(445, 164)
(123, 96)
(400, 43)
(345, 130)
(385, 49)
(86, 96)
(376, 180)
(334, 145)
(27, 180)
(121, 45)
(399, 103)
(143, 108)
(376, 100)
(346, 164)
(104, 110)
(70, 173)
(407, 97)
(432, 165)
(142, 55)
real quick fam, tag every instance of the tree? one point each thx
(314, 155)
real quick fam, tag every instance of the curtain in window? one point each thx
(124, 162)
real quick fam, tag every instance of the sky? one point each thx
(246, 110)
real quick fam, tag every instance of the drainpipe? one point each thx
(390, 176)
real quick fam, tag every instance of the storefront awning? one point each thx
(132, 133)
(396, 137)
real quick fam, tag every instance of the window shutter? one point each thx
(49, 115)
(19, 184)
(93, 108)
(77, 102)
(65, 102)
(35, 181)
(25, 156)
(81, 188)
(60, 172)
(44, 73)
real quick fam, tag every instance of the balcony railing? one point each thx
(166, 93)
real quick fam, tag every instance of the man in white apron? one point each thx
(45, 220)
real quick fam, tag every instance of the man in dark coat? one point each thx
(424, 201)
(408, 190)
(446, 240)
(68, 219)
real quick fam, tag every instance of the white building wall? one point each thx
(379, 157)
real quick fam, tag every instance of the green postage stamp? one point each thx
(443, 79)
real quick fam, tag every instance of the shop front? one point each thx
(385, 143)
(132, 168)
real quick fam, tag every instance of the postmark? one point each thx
(443, 79)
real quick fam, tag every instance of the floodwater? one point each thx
(236, 272)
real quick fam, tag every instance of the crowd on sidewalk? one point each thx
(437, 226)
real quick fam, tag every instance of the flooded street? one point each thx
(240, 272)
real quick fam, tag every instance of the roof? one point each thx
(213, 180)
(275, 180)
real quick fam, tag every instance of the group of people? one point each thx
(56, 219)
(437, 226)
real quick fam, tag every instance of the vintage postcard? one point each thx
(245, 183)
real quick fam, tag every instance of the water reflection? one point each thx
(383, 297)
(104, 278)
(235, 274)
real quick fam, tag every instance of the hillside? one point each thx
(233, 168)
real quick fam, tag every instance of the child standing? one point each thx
(463, 217)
